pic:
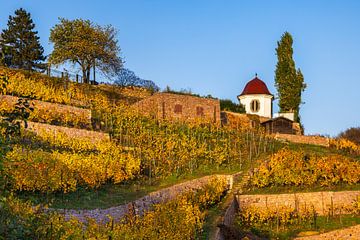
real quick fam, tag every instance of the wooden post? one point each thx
(163, 110)
(214, 114)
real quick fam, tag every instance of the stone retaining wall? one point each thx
(143, 204)
(351, 233)
(315, 140)
(323, 202)
(94, 136)
(51, 113)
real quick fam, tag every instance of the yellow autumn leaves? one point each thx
(294, 168)
(179, 218)
(67, 163)
(345, 145)
(283, 216)
(55, 90)
(37, 170)
(164, 148)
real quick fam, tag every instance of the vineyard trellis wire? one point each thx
(74, 77)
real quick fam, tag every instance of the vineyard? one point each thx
(49, 162)
(288, 222)
(58, 90)
(296, 168)
(181, 218)
(140, 151)
(140, 146)
(345, 145)
(285, 216)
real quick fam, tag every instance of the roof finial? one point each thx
(256, 75)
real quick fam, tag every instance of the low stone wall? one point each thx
(38, 128)
(315, 140)
(143, 204)
(351, 233)
(323, 202)
(52, 113)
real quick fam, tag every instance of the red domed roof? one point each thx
(255, 86)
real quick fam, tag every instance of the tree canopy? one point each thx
(87, 44)
(20, 44)
(351, 134)
(127, 77)
(228, 105)
(289, 82)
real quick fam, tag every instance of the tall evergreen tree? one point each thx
(22, 43)
(289, 82)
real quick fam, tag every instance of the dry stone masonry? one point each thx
(143, 204)
(53, 113)
(323, 202)
(351, 233)
(94, 136)
(314, 140)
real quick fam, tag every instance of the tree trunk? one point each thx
(85, 79)
(86, 70)
(88, 74)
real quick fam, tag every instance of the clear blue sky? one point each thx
(215, 47)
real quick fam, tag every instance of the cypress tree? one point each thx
(289, 82)
(21, 42)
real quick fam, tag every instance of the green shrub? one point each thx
(228, 105)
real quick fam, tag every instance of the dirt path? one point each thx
(222, 224)
(346, 233)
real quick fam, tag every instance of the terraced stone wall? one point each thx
(94, 136)
(323, 202)
(52, 113)
(315, 140)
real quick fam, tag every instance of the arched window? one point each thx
(255, 105)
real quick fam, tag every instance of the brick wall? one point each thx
(53, 113)
(322, 201)
(315, 140)
(38, 128)
(177, 107)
